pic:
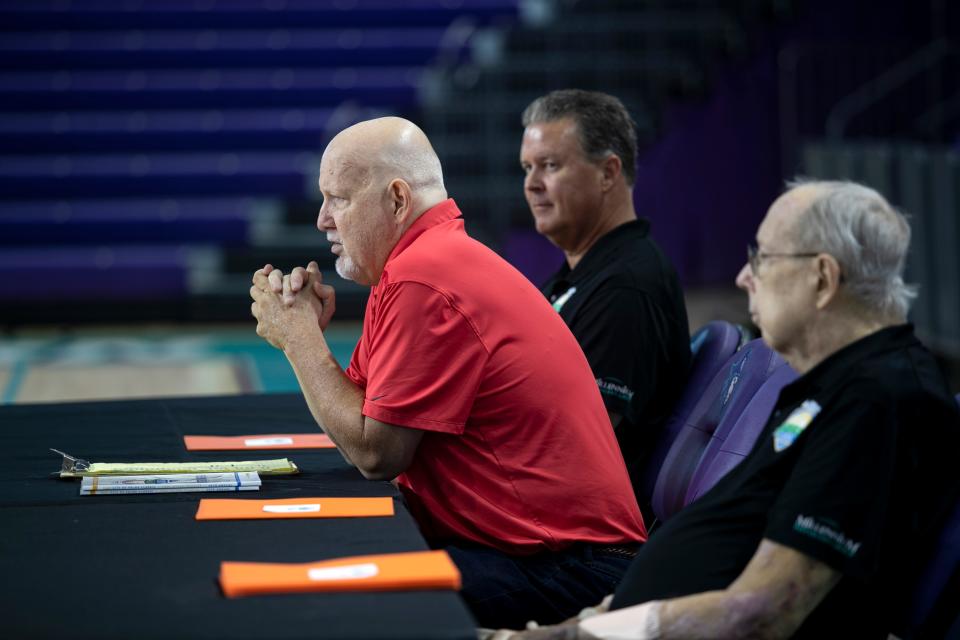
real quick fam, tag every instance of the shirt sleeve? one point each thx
(834, 506)
(425, 361)
(620, 331)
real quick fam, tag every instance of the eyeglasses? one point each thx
(755, 257)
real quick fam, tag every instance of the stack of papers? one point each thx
(264, 467)
(170, 483)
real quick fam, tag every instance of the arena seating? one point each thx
(724, 398)
(711, 347)
(191, 127)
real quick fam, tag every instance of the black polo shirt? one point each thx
(624, 304)
(855, 467)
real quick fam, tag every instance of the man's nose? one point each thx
(532, 181)
(745, 278)
(324, 221)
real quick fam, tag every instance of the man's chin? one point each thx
(345, 269)
(543, 225)
(548, 231)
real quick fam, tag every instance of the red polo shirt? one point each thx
(518, 453)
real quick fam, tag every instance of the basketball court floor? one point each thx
(126, 362)
(45, 365)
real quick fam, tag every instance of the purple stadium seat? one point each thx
(711, 346)
(736, 435)
(728, 393)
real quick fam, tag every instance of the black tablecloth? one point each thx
(140, 566)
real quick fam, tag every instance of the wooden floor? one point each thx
(136, 362)
(131, 362)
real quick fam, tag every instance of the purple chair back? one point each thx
(710, 347)
(736, 435)
(728, 393)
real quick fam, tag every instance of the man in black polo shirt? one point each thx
(820, 531)
(616, 291)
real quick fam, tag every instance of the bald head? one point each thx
(385, 149)
(867, 236)
(788, 209)
(377, 178)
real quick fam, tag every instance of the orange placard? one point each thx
(384, 572)
(232, 509)
(263, 441)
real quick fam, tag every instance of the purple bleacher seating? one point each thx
(225, 48)
(85, 222)
(161, 174)
(181, 129)
(730, 390)
(85, 274)
(108, 14)
(385, 86)
(711, 346)
(736, 435)
(108, 105)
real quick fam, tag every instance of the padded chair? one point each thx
(711, 346)
(728, 393)
(736, 435)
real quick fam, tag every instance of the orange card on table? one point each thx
(227, 509)
(383, 572)
(264, 441)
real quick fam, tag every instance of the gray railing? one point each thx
(924, 180)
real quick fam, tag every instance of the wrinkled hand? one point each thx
(279, 321)
(299, 278)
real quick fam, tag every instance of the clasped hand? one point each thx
(288, 305)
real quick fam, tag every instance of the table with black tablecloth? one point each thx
(140, 566)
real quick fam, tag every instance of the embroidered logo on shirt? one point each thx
(793, 426)
(615, 388)
(827, 533)
(562, 300)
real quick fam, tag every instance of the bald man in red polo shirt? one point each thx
(466, 387)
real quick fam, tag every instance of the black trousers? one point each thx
(505, 591)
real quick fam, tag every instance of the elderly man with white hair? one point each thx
(819, 532)
(466, 387)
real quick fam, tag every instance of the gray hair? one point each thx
(604, 125)
(866, 235)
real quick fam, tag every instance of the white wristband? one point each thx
(641, 622)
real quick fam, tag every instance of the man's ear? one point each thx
(829, 277)
(401, 200)
(612, 170)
